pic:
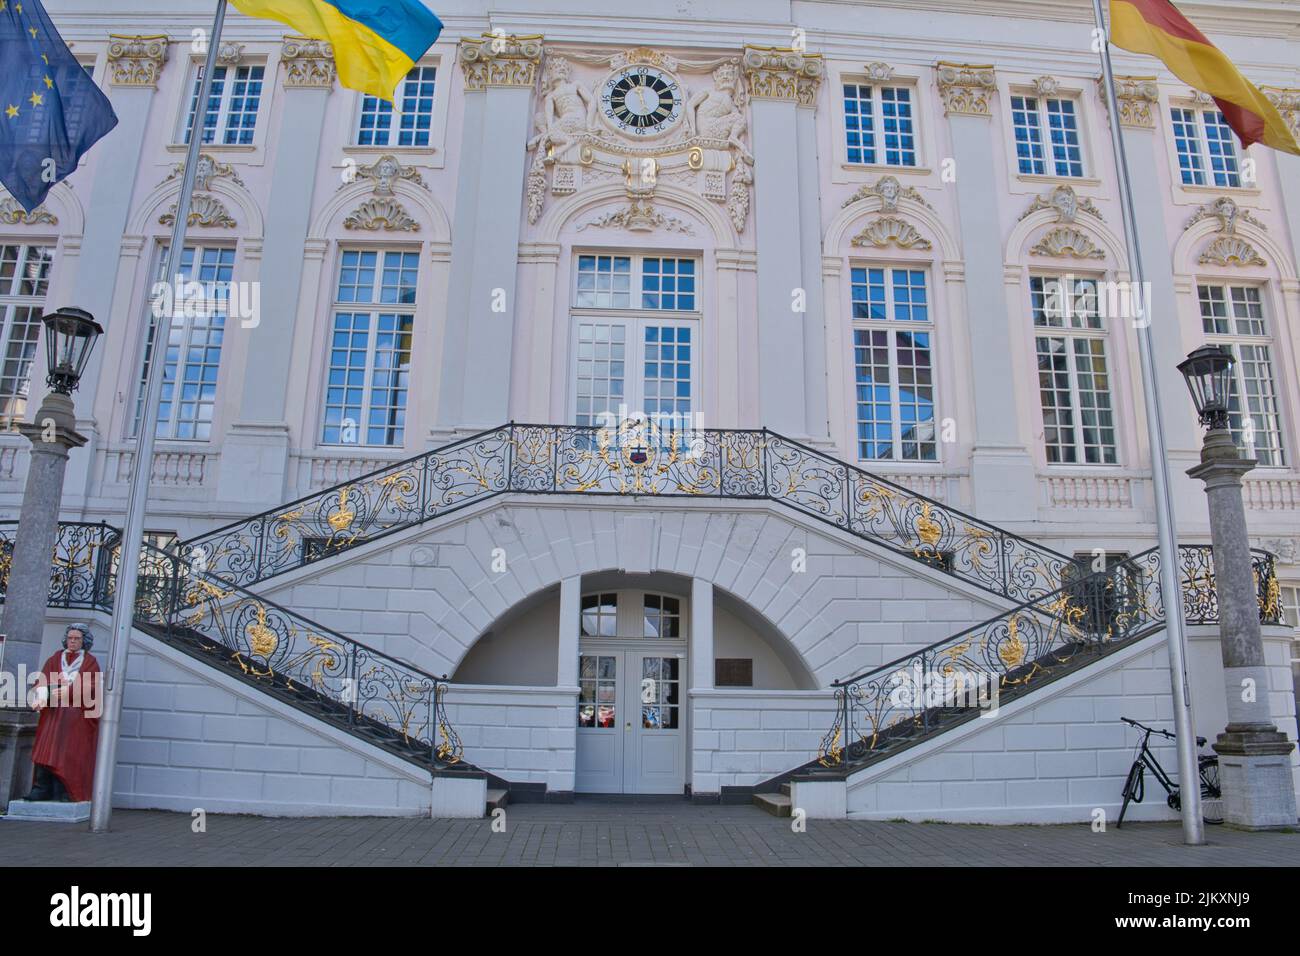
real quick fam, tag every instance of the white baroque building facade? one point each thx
(841, 223)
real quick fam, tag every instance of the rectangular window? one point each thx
(604, 282)
(370, 348)
(1030, 115)
(893, 365)
(666, 380)
(1203, 141)
(1291, 607)
(1233, 316)
(657, 382)
(231, 108)
(414, 121)
(668, 284)
(1073, 379)
(24, 281)
(195, 330)
(602, 371)
(879, 125)
(629, 365)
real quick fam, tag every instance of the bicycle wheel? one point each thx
(1210, 777)
(1212, 804)
(1134, 790)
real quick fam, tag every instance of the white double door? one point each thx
(631, 720)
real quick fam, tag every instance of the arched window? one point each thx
(1074, 385)
(1232, 315)
(24, 281)
(893, 362)
(195, 323)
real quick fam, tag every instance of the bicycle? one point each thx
(1135, 784)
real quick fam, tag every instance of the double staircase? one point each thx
(196, 595)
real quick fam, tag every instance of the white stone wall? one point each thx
(523, 734)
(193, 737)
(1054, 757)
(425, 595)
(290, 196)
(742, 737)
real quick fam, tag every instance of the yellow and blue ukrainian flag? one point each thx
(376, 42)
(51, 111)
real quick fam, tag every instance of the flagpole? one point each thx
(142, 467)
(1188, 771)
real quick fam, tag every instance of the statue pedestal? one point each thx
(48, 811)
(17, 738)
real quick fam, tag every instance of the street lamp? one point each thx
(1254, 756)
(1208, 372)
(70, 336)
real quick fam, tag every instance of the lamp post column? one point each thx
(1254, 756)
(52, 433)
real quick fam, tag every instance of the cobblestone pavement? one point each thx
(609, 834)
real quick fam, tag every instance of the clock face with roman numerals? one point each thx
(641, 100)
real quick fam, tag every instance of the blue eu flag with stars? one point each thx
(51, 111)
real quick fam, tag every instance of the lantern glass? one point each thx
(1208, 373)
(70, 336)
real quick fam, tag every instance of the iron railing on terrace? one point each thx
(311, 666)
(635, 458)
(888, 708)
(81, 566)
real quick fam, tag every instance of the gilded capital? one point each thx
(308, 64)
(1136, 96)
(1287, 102)
(498, 59)
(965, 87)
(136, 60)
(776, 73)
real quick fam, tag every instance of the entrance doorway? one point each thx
(631, 734)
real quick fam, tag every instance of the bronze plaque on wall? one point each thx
(733, 672)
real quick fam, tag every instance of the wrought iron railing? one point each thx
(351, 683)
(901, 702)
(81, 564)
(270, 643)
(634, 458)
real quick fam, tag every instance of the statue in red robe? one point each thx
(68, 695)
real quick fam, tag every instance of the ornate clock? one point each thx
(641, 100)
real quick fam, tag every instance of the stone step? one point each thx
(496, 799)
(777, 804)
(47, 811)
(785, 788)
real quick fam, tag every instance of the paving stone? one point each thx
(601, 833)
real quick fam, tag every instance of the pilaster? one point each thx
(134, 66)
(1002, 471)
(499, 76)
(1138, 99)
(701, 634)
(791, 343)
(258, 443)
(566, 671)
(1287, 102)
